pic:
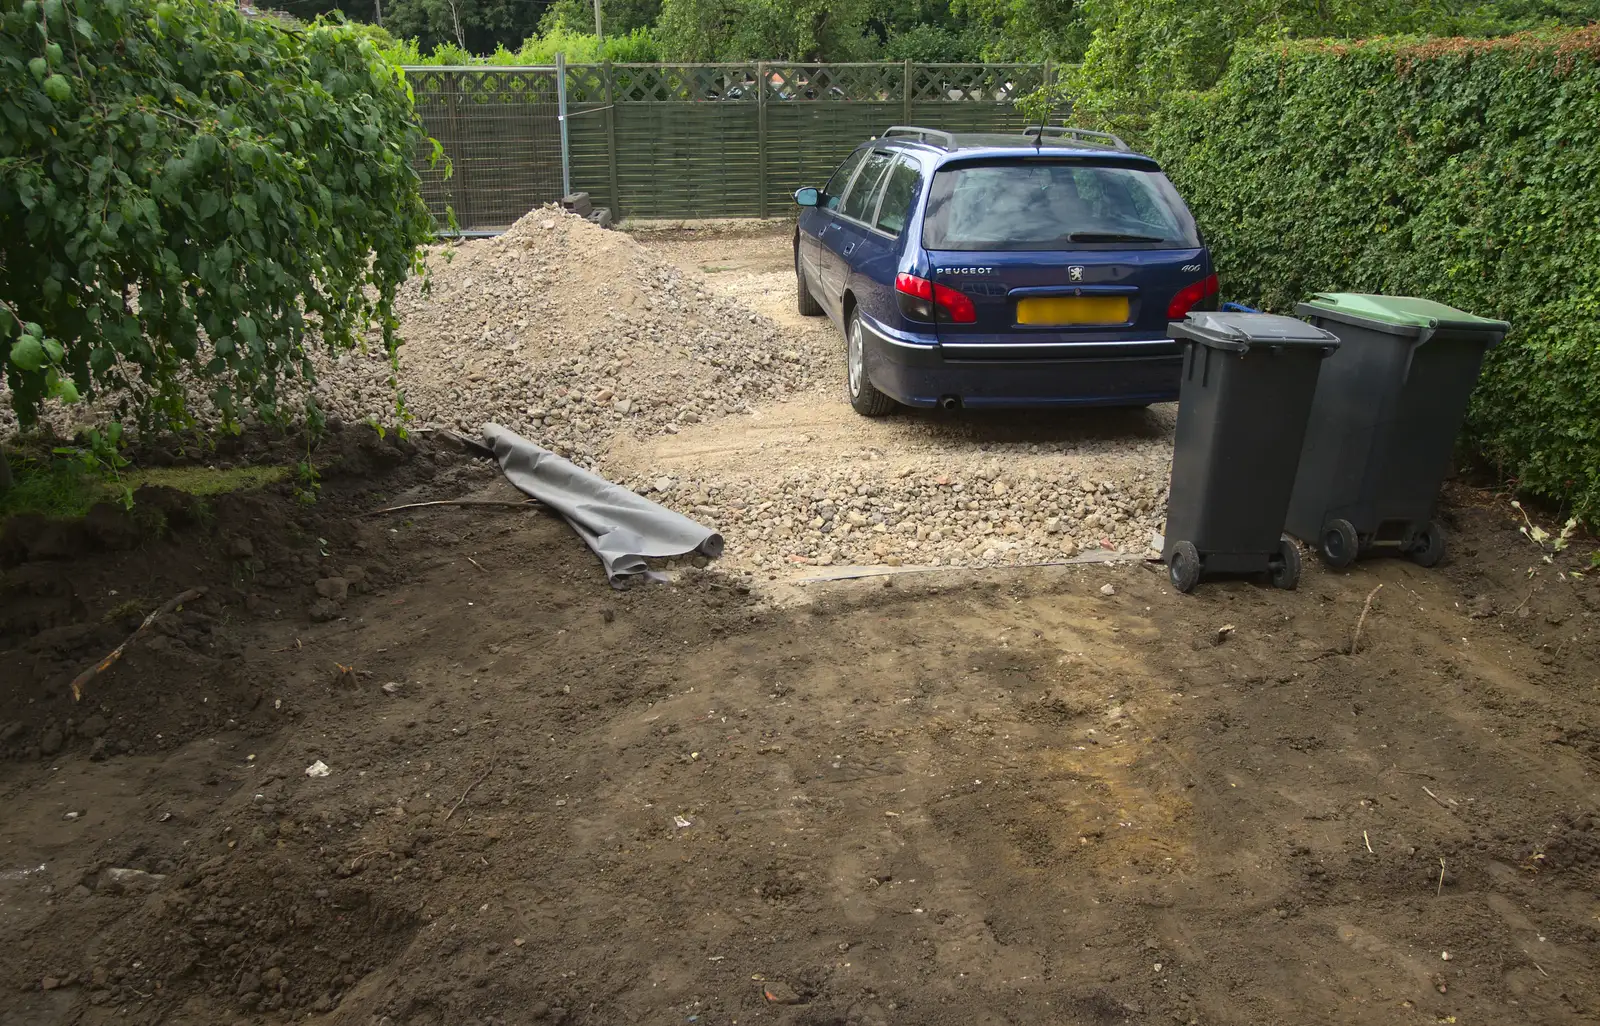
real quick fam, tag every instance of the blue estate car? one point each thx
(1002, 270)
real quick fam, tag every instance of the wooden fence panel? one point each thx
(685, 140)
(499, 130)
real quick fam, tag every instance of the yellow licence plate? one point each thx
(1055, 310)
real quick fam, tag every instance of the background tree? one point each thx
(478, 26)
(618, 17)
(1027, 30)
(1163, 42)
(807, 30)
(926, 31)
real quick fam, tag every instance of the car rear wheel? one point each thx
(805, 302)
(864, 399)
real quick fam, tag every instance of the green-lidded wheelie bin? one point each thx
(1247, 384)
(1388, 407)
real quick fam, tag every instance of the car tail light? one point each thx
(1191, 296)
(924, 300)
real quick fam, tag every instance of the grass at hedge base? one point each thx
(1459, 170)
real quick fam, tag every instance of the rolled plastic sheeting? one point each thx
(623, 529)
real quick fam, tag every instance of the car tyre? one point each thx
(804, 300)
(864, 399)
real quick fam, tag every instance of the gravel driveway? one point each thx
(805, 481)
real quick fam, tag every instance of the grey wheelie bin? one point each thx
(1388, 407)
(1247, 384)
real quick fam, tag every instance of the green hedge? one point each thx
(1466, 171)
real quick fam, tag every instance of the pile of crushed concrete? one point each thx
(567, 333)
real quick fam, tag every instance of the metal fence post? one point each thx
(561, 116)
(761, 138)
(906, 79)
(460, 167)
(611, 141)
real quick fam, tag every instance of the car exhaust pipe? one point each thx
(950, 402)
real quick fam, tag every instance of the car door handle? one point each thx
(848, 248)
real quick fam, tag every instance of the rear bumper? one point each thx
(916, 371)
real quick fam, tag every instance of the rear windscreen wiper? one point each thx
(1111, 237)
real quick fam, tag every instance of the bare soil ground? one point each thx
(966, 797)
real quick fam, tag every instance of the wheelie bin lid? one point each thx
(1405, 316)
(1240, 332)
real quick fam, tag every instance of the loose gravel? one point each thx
(1013, 507)
(568, 334)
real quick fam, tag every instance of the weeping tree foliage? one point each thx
(193, 198)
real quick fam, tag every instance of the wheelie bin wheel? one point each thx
(1286, 566)
(1428, 547)
(1184, 566)
(1340, 544)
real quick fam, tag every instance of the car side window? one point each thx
(900, 190)
(862, 199)
(834, 191)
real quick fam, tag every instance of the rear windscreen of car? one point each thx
(1042, 204)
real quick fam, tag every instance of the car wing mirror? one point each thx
(808, 197)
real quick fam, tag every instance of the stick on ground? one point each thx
(82, 680)
(470, 786)
(504, 503)
(1355, 642)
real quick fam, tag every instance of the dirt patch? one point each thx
(73, 589)
(955, 798)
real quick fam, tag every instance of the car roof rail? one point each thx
(1080, 134)
(930, 136)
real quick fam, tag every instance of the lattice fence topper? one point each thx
(488, 86)
(974, 83)
(586, 83)
(803, 83)
(662, 83)
(836, 83)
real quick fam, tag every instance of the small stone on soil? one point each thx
(779, 993)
